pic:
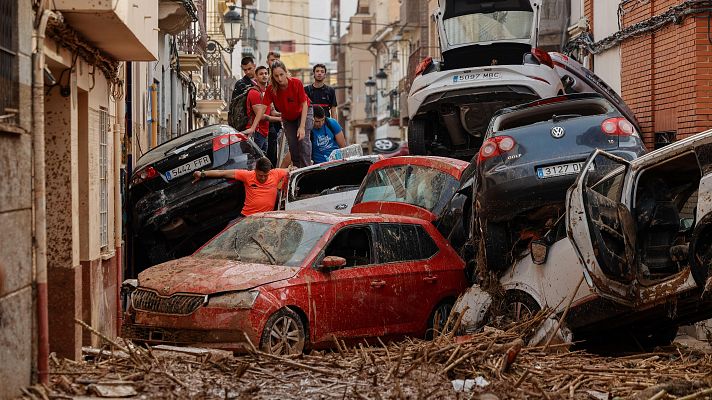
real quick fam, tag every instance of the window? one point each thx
(353, 244)
(404, 242)
(283, 46)
(663, 139)
(366, 27)
(8, 62)
(363, 9)
(103, 128)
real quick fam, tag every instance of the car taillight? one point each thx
(423, 65)
(543, 57)
(225, 140)
(143, 175)
(618, 127)
(495, 146)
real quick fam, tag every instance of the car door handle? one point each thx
(378, 284)
(341, 206)
(430, 279)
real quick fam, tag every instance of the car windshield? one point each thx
(488, 27)
(278, 241)
(424, 187)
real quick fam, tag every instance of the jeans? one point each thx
(300, 150)
(272, 141)
(260, 141)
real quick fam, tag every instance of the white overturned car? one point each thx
(489, 61)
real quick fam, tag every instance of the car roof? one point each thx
(337, 218)
(450, 166)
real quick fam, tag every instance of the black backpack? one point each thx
(237, 111)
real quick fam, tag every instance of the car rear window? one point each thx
(263, 240)
(488, 27)
(547, 112)
(420, 186)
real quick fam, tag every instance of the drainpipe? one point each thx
(118, 220)
(40, 196)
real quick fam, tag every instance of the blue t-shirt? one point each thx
(324, 140)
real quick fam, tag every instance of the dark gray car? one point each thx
(532, 154)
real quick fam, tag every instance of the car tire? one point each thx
(283, 334)
(417, 129)
(519, 306)
(701, 257)
(438, 318)
(497, 245)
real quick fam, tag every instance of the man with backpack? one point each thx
(320, 93)
(254, 102)
(327, 136)
(237, 111)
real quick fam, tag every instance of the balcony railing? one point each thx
(194, 40)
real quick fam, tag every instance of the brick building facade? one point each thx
(666, 73)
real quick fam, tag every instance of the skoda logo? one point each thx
(557, 132)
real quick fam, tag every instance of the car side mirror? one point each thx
(330, 263)
(539, 250)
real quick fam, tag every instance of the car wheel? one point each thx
(283, 334)
(497, 246)
(519, 306)
(416, 136)
(384, 146)
(702, 258)
(438, 319)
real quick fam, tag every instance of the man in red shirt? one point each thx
(261, 185)
(291, 100)
(254, 102)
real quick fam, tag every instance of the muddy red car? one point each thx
(294, 281)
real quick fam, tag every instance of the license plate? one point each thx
(560, 170)
(478, 76)
(188, 167)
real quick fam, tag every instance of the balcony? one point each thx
(175, 16)
(126, 30)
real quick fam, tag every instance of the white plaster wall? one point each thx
(607, 65)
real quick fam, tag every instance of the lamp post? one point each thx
(370, 97)
(382, 80)
(232, 27)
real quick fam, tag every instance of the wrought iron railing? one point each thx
(195, 39)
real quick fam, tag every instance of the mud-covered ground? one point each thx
(494, 364)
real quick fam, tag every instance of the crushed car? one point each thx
(437, 189)
(630, 258)
(531, 155)
(329, 186)
(489, 61)
(169, 215)
(291, 281)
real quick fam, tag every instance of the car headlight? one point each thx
(244, 299)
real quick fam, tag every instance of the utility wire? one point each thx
(322, 19)
(289, 30)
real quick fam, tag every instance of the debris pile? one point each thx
(488, 365)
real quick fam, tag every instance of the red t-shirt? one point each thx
(260, 197)
(255, 97)
(288, 101)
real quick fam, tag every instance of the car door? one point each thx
(355, 298)
(602, 228)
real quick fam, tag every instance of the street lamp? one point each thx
(232, 26)
(370, 97)
(382, 79)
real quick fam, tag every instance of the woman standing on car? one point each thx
(291, 100)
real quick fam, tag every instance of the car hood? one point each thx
(207, 275)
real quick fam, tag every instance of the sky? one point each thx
(320, 29)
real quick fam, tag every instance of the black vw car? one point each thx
(171, 216)
(532, 154)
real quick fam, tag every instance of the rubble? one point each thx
(408, 369)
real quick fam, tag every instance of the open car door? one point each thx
(602, 228)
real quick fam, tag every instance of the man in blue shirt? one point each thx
(327, 136)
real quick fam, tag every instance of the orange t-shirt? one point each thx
(260, 197)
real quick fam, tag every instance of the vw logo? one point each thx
(558, 132)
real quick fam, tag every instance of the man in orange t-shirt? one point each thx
(261, 185)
